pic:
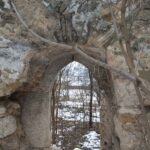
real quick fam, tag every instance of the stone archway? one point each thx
(120, 128)
(121, 122)
(36, 103)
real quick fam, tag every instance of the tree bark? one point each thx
(91, 100)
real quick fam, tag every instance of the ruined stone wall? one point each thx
(28, 68)
(10, 127)
(127, 119)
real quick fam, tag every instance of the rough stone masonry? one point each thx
(28, 67)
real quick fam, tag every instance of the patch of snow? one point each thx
(71, 115)
(70, 128)
(76, 149)
(92, 141)
(72, 104)
(75, 94)
(54, 147)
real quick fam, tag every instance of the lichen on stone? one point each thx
(4, 4)
(77, 19)
(11, 63)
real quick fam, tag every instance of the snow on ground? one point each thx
(91, 141)
(74, 107)
(76, 94)
(71, 104)
(54, 147)
(69, 116)
(69, 112)
(86, 95)
(77, 149)
(70, 128)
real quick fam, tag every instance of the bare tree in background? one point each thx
(54, 105)
(91, 100)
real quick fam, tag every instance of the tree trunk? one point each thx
(91, 100)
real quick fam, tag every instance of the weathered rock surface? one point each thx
(128, 133)
(65, 21)
(7, 126)
(12, 65)
(127, 114)
(11, 143)
(2, 110)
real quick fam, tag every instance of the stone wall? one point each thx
(10, 127)
(28, 68)
(120, 128)
(128, 126)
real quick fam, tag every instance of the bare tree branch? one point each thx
(91, 49)
(127, 52)
(106, 66)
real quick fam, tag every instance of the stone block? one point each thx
(10, 143)
(2, 110)
(7, 126)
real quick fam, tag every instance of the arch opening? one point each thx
(75, 109)
(36, 103)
